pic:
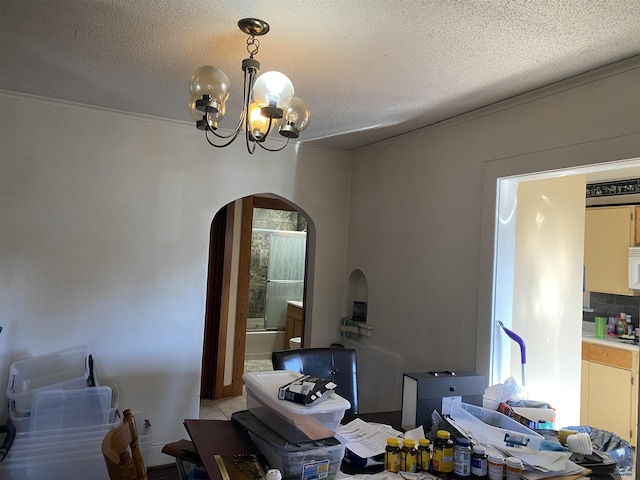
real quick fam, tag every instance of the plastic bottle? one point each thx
(424, 454)
(274, 474)
(409, 456)
(392, 455)
(611, 325)
(514, 468)
(495, 466)
(442, 460)
(479, 463)
(462, 457)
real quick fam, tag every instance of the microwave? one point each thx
(634, 268)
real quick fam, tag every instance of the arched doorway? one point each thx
(228, 303)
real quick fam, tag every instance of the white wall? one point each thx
(423, 209)
(105, 221)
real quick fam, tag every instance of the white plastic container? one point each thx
(297, 423)
(66, 369)
(495, 428)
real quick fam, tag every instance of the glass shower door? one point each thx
(285, 276)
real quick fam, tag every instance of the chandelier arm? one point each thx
(233, 134)
(273, 149)
(209, 130)
(250, 143)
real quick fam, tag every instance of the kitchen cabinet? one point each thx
(609, 392)
(608, 234)
(293, 327)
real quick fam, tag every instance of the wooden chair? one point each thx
(121, 451)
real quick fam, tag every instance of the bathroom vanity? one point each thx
(293, 327)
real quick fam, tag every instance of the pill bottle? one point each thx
(495, 466)
(424, 454)
(274, 474)
(478, 463)
(409, 456)
(514, 468)
(392, 455)
(462, 457)
(442, 459)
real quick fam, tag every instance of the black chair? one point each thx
(337, 364)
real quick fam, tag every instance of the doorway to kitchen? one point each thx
(542, 306)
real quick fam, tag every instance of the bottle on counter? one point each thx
(611, 325)
(630, 327)
(274, 474)
(424, 454)
(514, 468)
(495, 466)
(442, 460)
(621, 326)
(462, 457)
(479, 463)
(392, 455)
(409, 456)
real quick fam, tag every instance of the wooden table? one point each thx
(218, 437)
(226, 437)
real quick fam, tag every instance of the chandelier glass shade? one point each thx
(269, 101)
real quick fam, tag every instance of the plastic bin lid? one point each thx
(251, 423)
(266, 384)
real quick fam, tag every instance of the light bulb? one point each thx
(273, 89)
(208, 80)
(258, 124)
(296, 114)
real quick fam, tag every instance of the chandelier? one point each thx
(268, 101)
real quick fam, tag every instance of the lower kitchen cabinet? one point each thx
(609, 391)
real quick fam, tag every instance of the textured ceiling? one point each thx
(369, 70)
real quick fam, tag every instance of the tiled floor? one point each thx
(221, 409)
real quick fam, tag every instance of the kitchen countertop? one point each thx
(588, 335)
(295, 303)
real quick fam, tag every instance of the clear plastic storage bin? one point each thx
(66, 369)
(53, 409)
(64, 454)
(320, 459)
(295, 422)
(495, 428)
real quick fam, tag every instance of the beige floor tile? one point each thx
(221, 409)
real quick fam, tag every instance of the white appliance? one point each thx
(634, 268)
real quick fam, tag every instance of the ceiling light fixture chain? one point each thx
(253, 45)
(268, 99)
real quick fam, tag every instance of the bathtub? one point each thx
(260, 344)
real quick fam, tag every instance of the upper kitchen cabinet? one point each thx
(608, 234)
